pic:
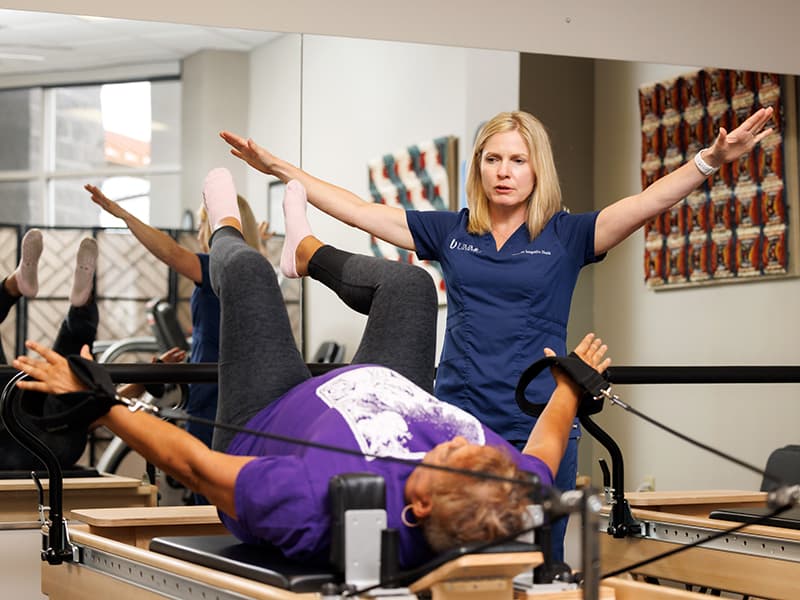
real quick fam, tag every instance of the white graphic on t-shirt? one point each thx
(383, 408)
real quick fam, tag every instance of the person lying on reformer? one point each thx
(379, 406)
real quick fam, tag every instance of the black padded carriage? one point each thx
(266, 564)
(261, 563)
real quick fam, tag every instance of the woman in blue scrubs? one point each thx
(511, 259)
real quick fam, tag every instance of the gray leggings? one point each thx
(259, 360)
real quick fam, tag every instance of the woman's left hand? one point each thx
(590, 350)
(52, 375)
(730, 146)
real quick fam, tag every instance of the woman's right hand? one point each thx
(250, 152)
(104, 202)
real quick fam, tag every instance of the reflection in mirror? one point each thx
(102, 101)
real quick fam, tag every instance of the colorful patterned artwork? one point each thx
(735, 226)
(421, 177)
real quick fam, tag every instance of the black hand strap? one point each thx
(592, 384)
(80, 409)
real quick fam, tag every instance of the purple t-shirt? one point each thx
(281, 497)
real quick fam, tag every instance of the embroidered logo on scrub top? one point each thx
(463, 247)
(543, 252)
(383, 409)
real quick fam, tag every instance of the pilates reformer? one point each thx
(610, 525)
(742, 542)
(363, 552)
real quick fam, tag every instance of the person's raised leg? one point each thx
(24, 280)
(297, 228)
(79, 327)
(83, 277)
(398, 299)
(259, 360)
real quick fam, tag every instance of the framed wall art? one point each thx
(423, 176)
(739, 225)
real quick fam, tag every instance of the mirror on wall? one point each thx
(103, 101)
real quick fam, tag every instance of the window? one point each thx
(122, 137)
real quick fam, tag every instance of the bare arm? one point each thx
(170, 448)
(385, 222)
(179, 454)
(548, 440)
(619, 220)
(160, 245)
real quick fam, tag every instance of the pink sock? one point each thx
(297, 227)
(27, 273)
(219, 197)
(85, 265)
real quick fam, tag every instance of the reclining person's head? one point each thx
(464, 509)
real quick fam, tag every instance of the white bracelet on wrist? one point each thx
(702, 166)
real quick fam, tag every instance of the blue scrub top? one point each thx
(503, 308)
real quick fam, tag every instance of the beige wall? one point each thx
(215, 95)
(737, 324)
(725, 33)
(362, 99)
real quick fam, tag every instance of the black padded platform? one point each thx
(789, 519)
(66, 473)
(259, 563)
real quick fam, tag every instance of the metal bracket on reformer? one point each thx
(56, 545)
(596, 388)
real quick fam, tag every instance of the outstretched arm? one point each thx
(548, 440)
(385, 222)
(160, 245)
(619, 220)
(170, 448)
(179, 454)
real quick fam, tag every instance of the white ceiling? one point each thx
(38, 42)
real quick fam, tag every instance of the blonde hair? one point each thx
(248, 220)
(467, 509)
(545, 201)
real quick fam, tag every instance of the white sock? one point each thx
(219, 197)
(297, 226)
(27, 273)
(85, 265)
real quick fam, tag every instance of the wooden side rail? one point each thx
(19, 497)
(137, 526)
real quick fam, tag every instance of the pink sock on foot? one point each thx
(297, 227)
(219, 196)
(85, 265)
(27, 273)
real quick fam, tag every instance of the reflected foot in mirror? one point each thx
(85, 265)
(27, 273)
